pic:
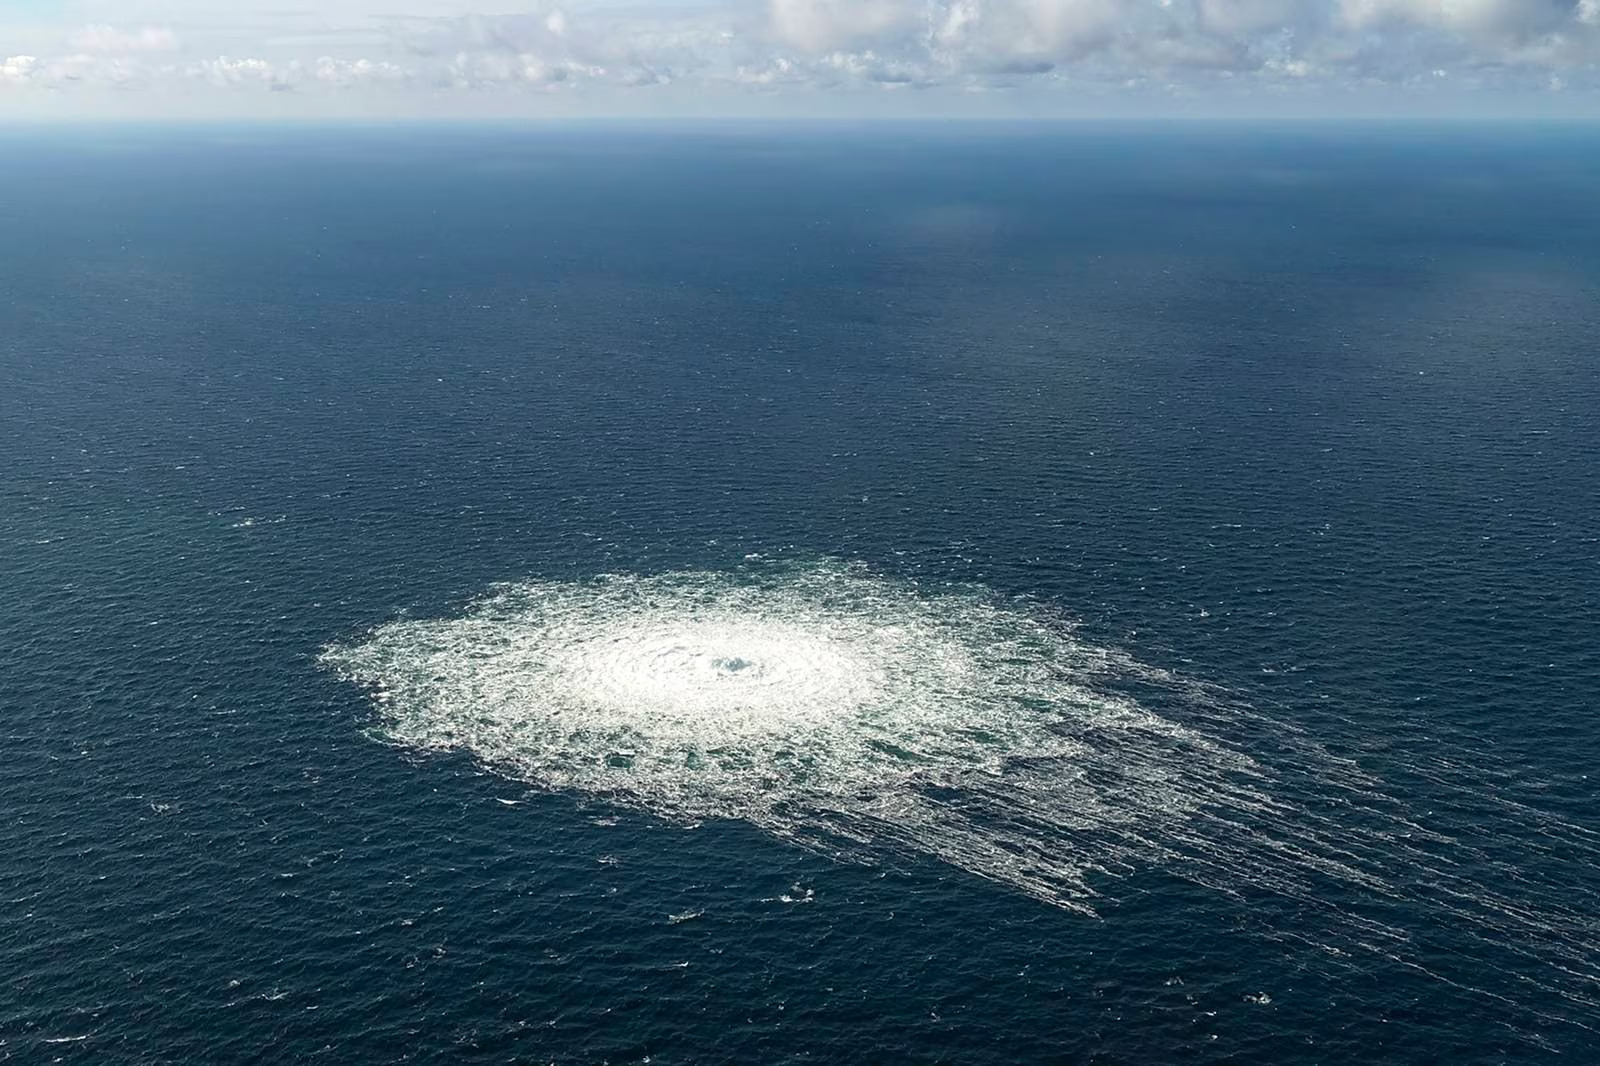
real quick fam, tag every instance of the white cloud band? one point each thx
(789, 45)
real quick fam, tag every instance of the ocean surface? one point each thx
(912, 594)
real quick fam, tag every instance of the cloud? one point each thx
(17, 69)
(325, 72)
(551, 46)
(1551, 33)
(344, 73)
(1239, 17)
(828, 26)
(418, 49)
(225, 72)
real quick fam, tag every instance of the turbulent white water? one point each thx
(866, 717)
(822, 703)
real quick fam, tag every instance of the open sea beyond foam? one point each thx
(912, 594)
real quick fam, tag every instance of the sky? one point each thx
(391, 59)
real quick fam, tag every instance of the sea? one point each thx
(800, 593)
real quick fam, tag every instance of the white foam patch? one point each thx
(866, 716)
(823, 703)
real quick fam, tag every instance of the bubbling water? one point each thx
(867, 717)
(823, 704)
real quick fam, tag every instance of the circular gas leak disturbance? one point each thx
(821, 703)
(865, 716)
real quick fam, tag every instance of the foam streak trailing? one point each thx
(865, 717)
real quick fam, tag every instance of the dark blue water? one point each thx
(1310, 417)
